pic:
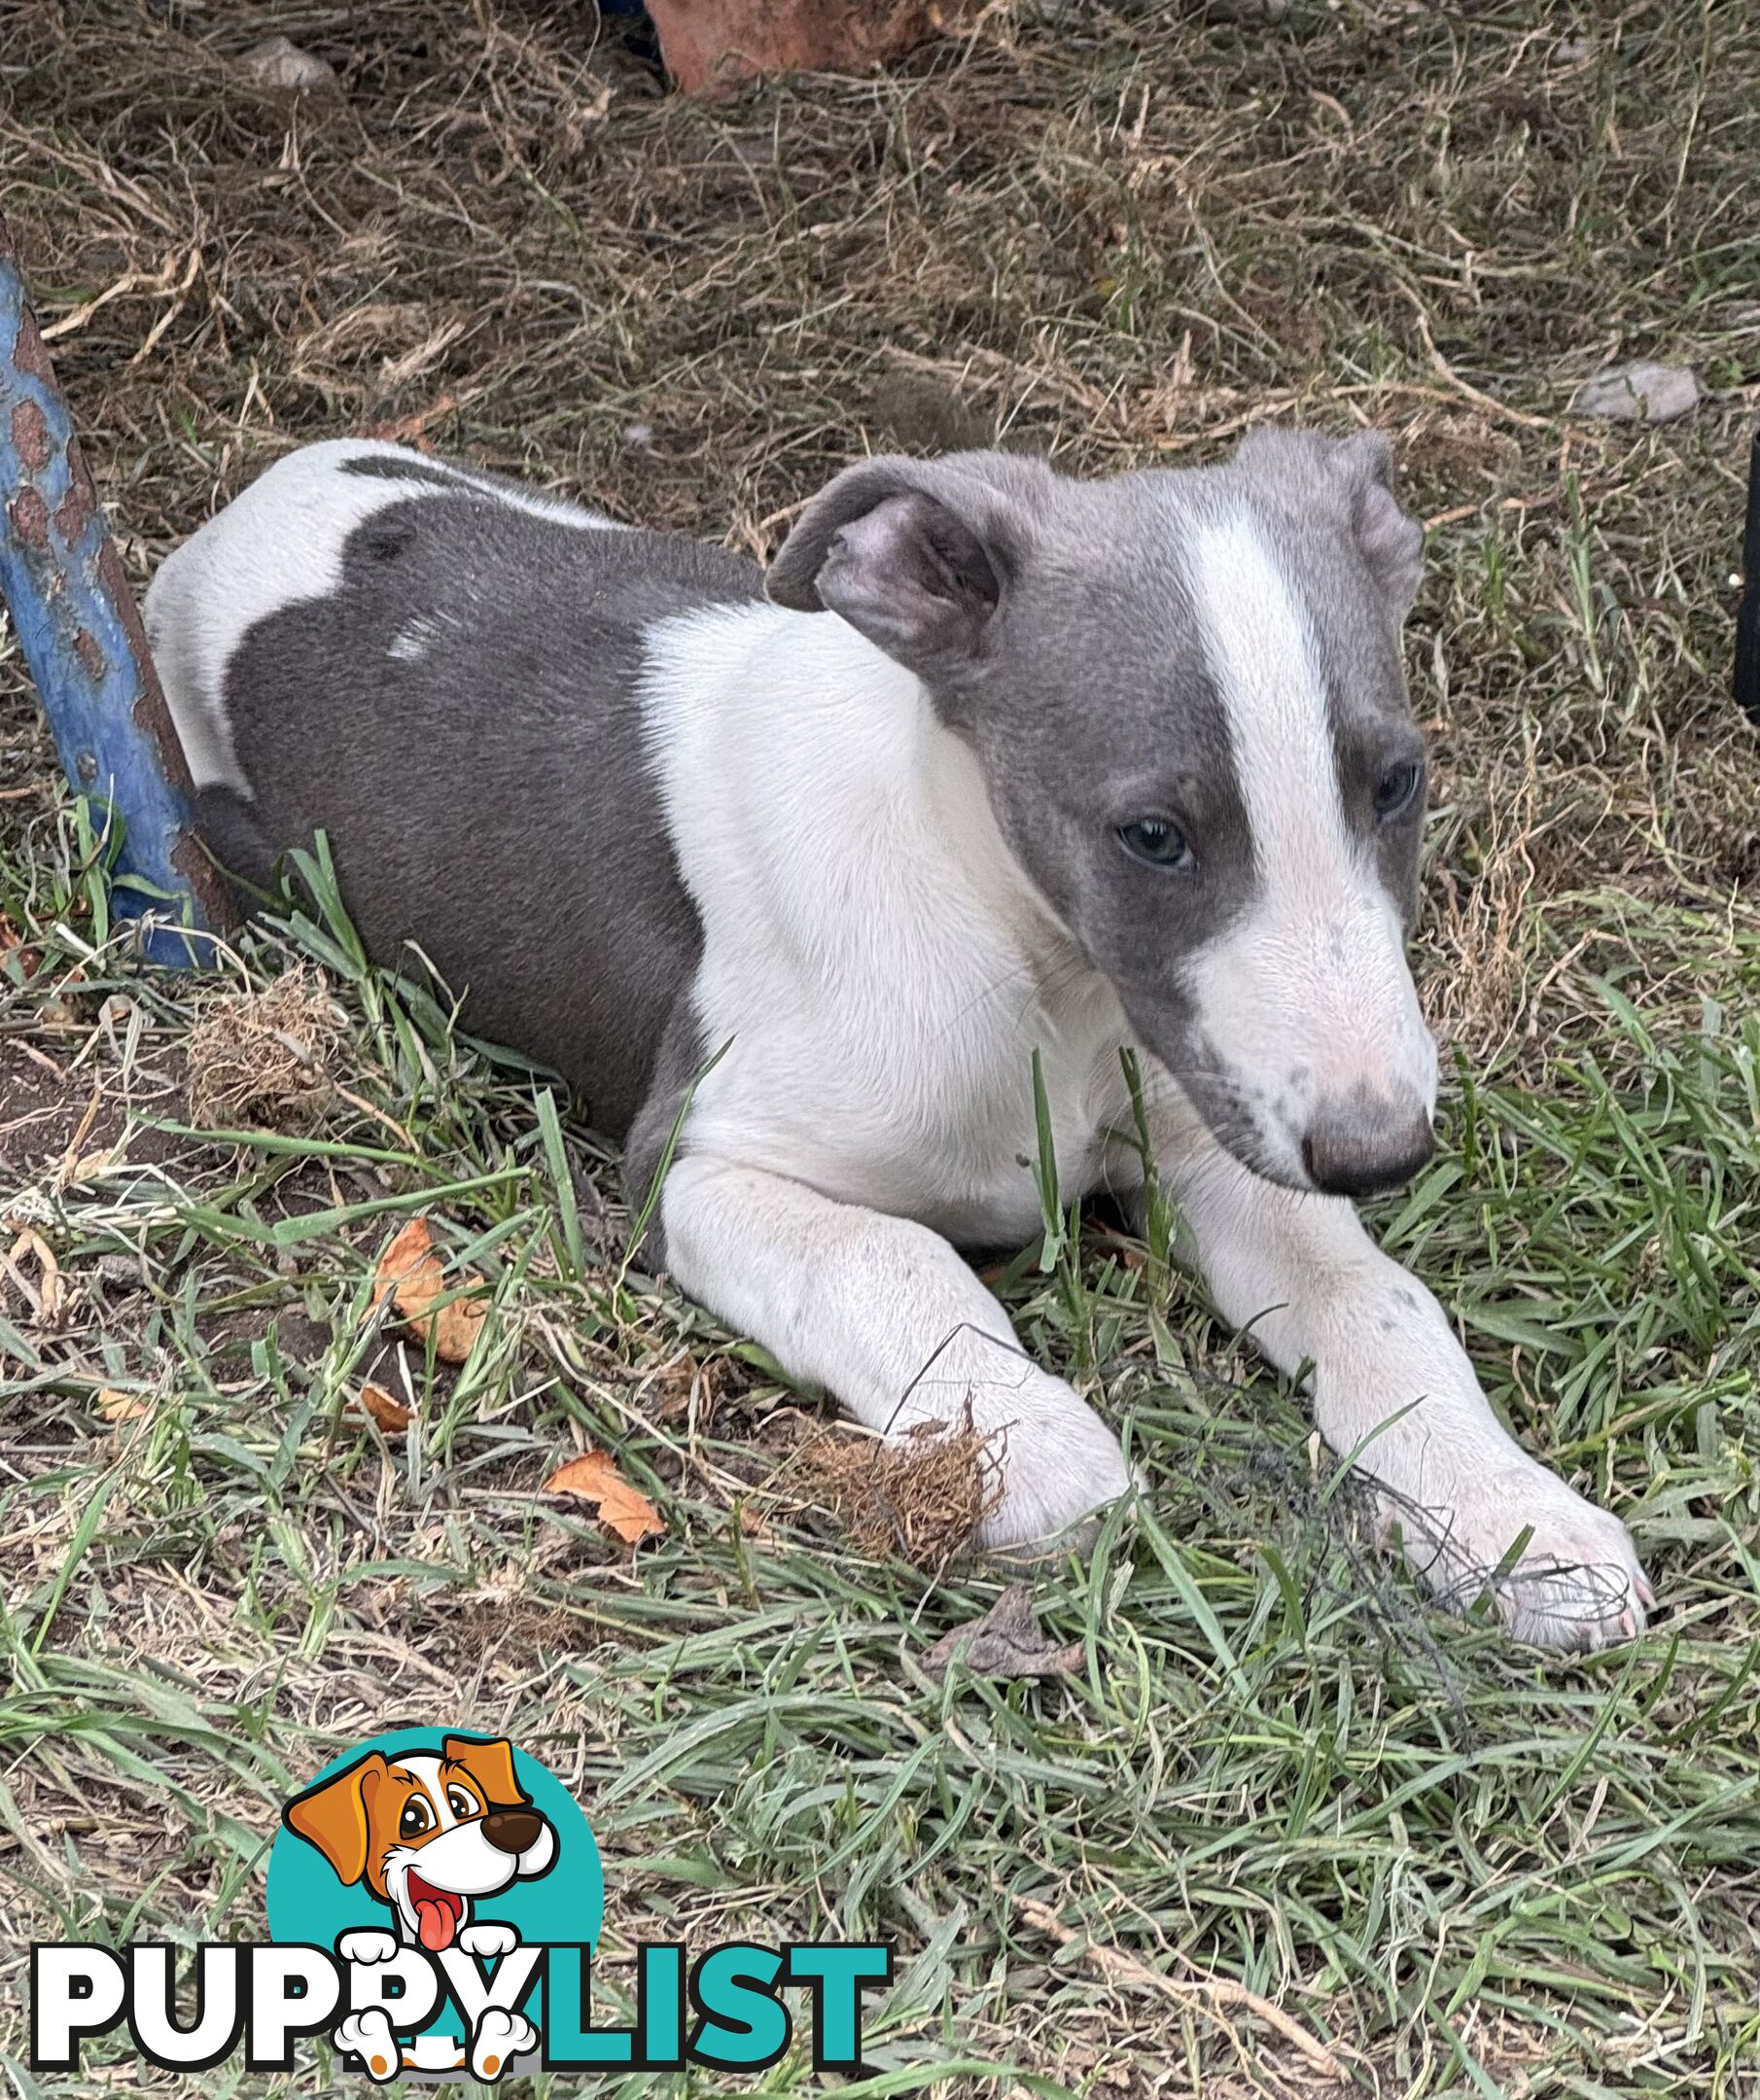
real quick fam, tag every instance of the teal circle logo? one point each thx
(435, 1839)
(328, 1876)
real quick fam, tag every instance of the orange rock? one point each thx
(711, 44)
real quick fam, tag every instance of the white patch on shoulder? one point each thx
(871, 950)
(1311, 995)
(278, 543)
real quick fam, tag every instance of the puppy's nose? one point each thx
(1364, 1144)
(512, 1830)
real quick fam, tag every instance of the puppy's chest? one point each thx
(983, 1172)
(918, 1091)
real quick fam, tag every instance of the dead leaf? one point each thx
(13, 942)
(413, 1277)
(46, 1299)
(413, 428)
(119, 1407)
(391, 1414)
(595, 1479)
(1007, 1641)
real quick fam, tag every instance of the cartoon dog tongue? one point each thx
(436, 1922)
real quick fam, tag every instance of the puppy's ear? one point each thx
(333, 1816)
(1356, 472)
(916, 554)
(1388, 539)
(490, 1764)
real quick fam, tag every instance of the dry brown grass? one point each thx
(922, 1498)
(262, 1058)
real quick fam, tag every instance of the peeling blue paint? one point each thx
(76, 621)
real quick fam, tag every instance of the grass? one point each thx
(1123, 235)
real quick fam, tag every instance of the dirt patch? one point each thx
(70, 1120)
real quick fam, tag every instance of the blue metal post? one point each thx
(76, 621)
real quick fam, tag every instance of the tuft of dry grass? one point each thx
(922, 1498)
(261, 1058)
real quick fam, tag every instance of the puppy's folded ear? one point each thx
(490, 1764)
(333, 1816)
(916, 554)
(1356, 472)
(1388, 539)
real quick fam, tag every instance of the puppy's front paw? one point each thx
(488, 1943)
(368, 1947)
(500, 2038)
(1577, 1585)
(366, 2037)
(1061, 1466)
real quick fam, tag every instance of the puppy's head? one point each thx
(1184, 695)
(425, 1831)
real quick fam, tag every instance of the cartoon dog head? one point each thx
(426, 1832)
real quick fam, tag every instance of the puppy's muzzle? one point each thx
(1364, 1144)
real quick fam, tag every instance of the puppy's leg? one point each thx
(1393, 1389)
(885, 1315)
(368, 2039)
(501, 2036)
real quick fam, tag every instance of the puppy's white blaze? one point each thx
(1310, 993)
(427, 1769)
(1262, 656)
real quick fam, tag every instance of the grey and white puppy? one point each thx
(991, 761)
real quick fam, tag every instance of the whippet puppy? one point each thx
(991, 761)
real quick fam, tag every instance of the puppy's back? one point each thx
(442, 672)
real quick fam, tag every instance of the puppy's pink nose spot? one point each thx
(512, 1830)
(1362, 1145)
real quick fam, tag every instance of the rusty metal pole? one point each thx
(76, 621)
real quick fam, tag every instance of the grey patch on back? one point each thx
(227, 826)
(490, 802)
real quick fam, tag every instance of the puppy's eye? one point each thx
(460, 1802)
(1158, 841)
(416, 1817)
(1398, 789)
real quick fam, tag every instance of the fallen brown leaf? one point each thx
(413, 428)
(594, 1478)
(46, 1299)
(413, 1276)
(390, 1414)
(119, 1407)
(1007, 1641)
(11, 942)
